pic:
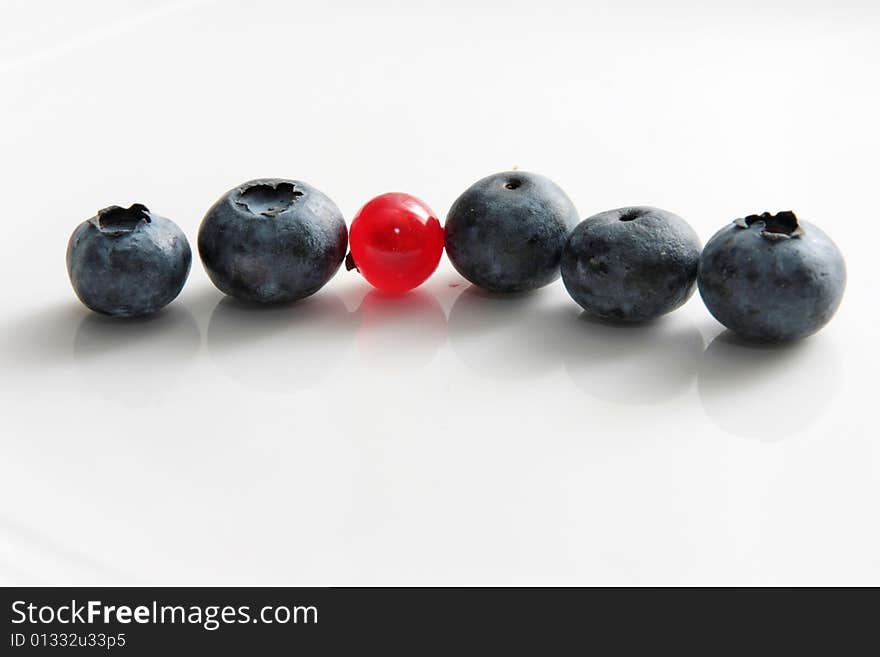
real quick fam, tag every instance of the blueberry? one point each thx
(505, 232)
(772, 277)
(128, 262)
(272, 240)
(631, 264)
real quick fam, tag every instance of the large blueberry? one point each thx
(128, 262)
(631, 264)
(772, 277)
(272, 240)
(505, 232)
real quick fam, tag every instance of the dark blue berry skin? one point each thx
(772, 277)
(271, 241)
(128, 262)
(631, 264)
(505, 233)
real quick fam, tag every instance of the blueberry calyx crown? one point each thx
(267, 199)
(629, 214)
(781, 225)
(117, 219)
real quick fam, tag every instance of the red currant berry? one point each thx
(396, 242)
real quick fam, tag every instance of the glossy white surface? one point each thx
(444, 437)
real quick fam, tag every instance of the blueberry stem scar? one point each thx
(631, 213)
(118, 219)
(780, 225)
(267, 199)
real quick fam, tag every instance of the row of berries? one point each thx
(767, 277)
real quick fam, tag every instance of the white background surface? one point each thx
(444, 437)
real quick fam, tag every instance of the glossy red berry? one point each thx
(396, 242)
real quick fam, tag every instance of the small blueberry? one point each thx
(505, 232)
(772, 277)
(272, 240)
(631, 264)
(127, 262)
